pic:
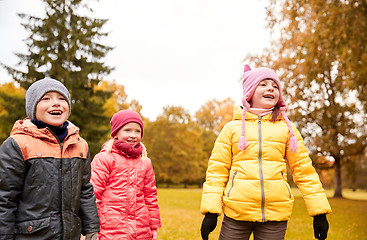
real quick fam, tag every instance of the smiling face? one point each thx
(130, 133)
(266, 95)
(52, 109)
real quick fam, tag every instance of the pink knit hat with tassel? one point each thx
(250, 80)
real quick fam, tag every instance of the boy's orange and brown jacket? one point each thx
(251, 185)
(44, 185)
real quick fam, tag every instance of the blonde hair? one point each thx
(110, 142)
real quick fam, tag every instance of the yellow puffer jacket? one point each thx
(251, 185)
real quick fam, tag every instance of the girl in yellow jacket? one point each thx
(246, 176)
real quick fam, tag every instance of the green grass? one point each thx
(181, 218)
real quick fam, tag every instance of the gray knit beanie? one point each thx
(39, 88)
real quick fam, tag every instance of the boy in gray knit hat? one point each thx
(45, 191)
(39, 88)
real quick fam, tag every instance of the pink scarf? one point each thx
(128, 149)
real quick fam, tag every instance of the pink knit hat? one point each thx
(123, 117)
(250, 80)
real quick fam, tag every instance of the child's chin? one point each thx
(56, 123)
(132, 144)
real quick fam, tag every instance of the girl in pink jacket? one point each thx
(124, 183)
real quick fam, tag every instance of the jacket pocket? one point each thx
(287, 186)
(233, 177)
(32, 226)
(114, 217)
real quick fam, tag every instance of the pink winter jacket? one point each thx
(126, 194)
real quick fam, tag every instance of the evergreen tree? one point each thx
(65, 46)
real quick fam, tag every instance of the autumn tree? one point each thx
(118, 99)
(12, 107)
(175, 147)
(116, 102)
(64, 45)
(320, 55)
(214, 114)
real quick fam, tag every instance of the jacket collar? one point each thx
(26, 127)
(237, 115)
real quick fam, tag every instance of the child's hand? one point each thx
(155, 234)
(91, 236)
(208, 225)
(320, 226)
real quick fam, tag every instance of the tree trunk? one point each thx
(337, 179)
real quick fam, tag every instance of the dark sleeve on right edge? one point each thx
(12, 169)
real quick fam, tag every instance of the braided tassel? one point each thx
(293, 143)
(242, 143)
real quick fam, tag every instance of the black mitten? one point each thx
(320, 226)
(208, 225)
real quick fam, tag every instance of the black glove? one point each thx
(208, 225)
(320, 226)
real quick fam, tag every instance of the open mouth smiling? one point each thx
(56, 112)
(268, 96)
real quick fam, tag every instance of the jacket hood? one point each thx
(25, 126)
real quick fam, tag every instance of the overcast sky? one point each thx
(166, 52)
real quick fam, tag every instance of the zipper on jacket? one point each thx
(261, 174)
(61, 144)
(234, 175)
(289, 191)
